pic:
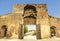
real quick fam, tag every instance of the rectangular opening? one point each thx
(29, 31)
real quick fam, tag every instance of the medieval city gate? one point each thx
(29, 18)
(35, 14)
(23, 14)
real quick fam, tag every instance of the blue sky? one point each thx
(31, 27)
(53, 6)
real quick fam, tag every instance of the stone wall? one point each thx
(42, 19)
(14, 21)
(55, 22)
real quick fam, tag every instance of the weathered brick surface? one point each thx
(14, 20)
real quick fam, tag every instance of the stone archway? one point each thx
(4, 30)
(29, 17)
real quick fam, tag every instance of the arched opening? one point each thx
(30, 10)
(53, 33)
(30, 14)
(4, 29)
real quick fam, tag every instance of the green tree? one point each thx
(25, 29)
